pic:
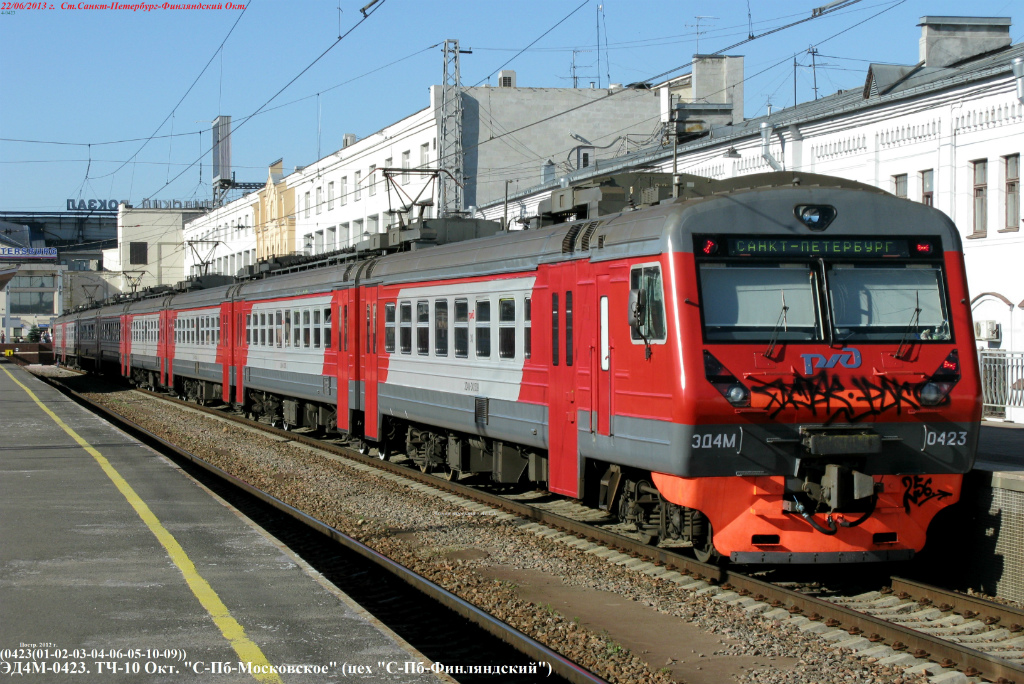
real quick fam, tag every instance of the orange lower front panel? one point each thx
(747, 515)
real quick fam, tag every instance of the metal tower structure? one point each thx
(450, 156)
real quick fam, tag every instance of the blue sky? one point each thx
(91, 77)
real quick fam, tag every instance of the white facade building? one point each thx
(344, 197)
(149, 248)
(948, 132)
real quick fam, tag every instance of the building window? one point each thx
(137, 253)
(504, 81)
(928, 188)
(318, 242)
(980, 169)
(356, 189)
(357, 226)
(424, 154)
(899, 185)
(319, 199)
(343, 236)
(329, 240)
(343, 190)
(307, 244)
(1012, 193)
(372, 179)
(405, 167)
(372, 223)
(330, 196)
(307, 205)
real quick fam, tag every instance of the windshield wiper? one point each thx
(910, 326)
(780, 323)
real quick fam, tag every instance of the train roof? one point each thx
(756, 204)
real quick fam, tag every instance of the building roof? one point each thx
(885, 84)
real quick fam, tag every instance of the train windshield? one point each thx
(754, 303)
(886, 303)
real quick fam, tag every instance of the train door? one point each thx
(563, 452)
(223, 348)
(601, 401)
(342, 332)
(371, 363)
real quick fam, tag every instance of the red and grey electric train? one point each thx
(777, 369)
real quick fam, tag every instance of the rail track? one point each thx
(925, 627)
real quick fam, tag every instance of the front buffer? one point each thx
(754, 521)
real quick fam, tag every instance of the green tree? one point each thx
(34, 334)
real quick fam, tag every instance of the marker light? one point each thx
(709, 246)
(923, 247)
(817, 217)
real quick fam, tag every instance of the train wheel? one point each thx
(704, 547)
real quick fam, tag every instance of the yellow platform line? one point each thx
(247, 651)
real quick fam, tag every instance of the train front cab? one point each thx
(832, 401)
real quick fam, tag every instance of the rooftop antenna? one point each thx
(697, 26)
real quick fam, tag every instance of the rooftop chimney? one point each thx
(946, 41)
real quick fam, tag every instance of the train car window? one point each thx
(759, 303)
(316, 328)
(507, 328)
(296, 328)
(287, 327)
(405, 327)
(389, 328)
(248, 329)
(263, 329)
(375, 327)
(327, 328)
(568, 328)
(305, 327)
(279, 328)
(423, 328)
(886, 303)
(527, 328)
(368, 348)
(344, 322)
(647, 305)
(482, 328)
(554, 328)
(441, 327)
(461, 328)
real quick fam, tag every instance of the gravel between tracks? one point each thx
(425, 533)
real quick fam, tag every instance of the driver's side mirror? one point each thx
(638, 312)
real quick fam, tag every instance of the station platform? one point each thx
(984, 533)
(116, 566)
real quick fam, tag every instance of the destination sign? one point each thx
(856, 248)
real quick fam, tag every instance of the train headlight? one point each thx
(932, 393)
(936, 388)
(737, 395)
(817, 217)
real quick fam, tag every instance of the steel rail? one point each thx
(541, 654)
(900, 637)
(969, 606)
